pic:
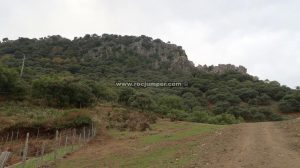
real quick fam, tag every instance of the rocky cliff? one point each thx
(222, 68)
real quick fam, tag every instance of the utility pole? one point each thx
(24, 57)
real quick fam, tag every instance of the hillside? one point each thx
(63, 73)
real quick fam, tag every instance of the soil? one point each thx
(246, 145)
(253, 145)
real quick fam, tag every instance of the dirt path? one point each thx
(247, 145)
(251, 145)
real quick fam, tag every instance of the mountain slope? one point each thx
(84, 70)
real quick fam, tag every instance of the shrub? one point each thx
(199, 116)
(176, 114)
(220, 107)
(290, 103)
(142, 101)
(63, 92)
(223, 119)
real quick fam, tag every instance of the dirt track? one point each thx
(247, 145)
(252, 145)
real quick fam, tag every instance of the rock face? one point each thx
(158, 53)
(222, 68)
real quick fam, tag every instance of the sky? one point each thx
(262, 35)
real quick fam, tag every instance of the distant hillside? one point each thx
(60, 72)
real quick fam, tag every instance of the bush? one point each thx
(142, 101)
(63, 92)
(220, 107)
(176, 114)
(199, 116)
(261, 100)
(171, 101)
(125, 95)
(290, 103)
(223, 119)
(11, 86)
(246, 94)
(103, 92)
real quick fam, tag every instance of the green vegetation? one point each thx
(47, 158)
(290, 102)
(29, 117)
(168, 144)
(63, 74)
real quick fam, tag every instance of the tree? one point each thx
(189, 101)
(125, 95)
(63, 91)
(5, 39)
(11, 86)
(290, 103)
(171, 102)
(246, 94)
(142, 101)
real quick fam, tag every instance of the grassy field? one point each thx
(168, 144)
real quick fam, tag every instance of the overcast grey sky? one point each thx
(262, 35)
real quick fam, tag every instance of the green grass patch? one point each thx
(161, 147)
(31, 163)
(192, 130)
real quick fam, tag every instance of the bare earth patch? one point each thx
(183, 144)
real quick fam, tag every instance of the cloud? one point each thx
(261, 35)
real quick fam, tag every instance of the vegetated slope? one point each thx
(78, 73)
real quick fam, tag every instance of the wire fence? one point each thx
(28, 150)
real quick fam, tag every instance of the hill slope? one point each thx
(78, 73)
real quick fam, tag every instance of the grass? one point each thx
(191, 130)
(165, 143)
(168, 144)
(31, 163)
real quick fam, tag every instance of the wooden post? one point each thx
(55, 145)
(66, 141)
(79, 139)
(95, 131)
(89, 135)
(25, 151)
(37, 160)
(92, 128)
(38, 132)
(84, 134)
(73, 138)
(12, 136)
(42, 153)
(4, 157)
(17, 138)
(59, 142)
(7, 138)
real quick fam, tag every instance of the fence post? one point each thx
(84, 134)
(59, 142)
(89, 135)
(12, 137)
(42, 154)
(55, 145)
(38, 132)
(7, 138)
(17, 138)
(25, 151)
(66, 142)
(73, 138)
(92, 128)
(79, 139)
(95, 131)
(37, 156)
